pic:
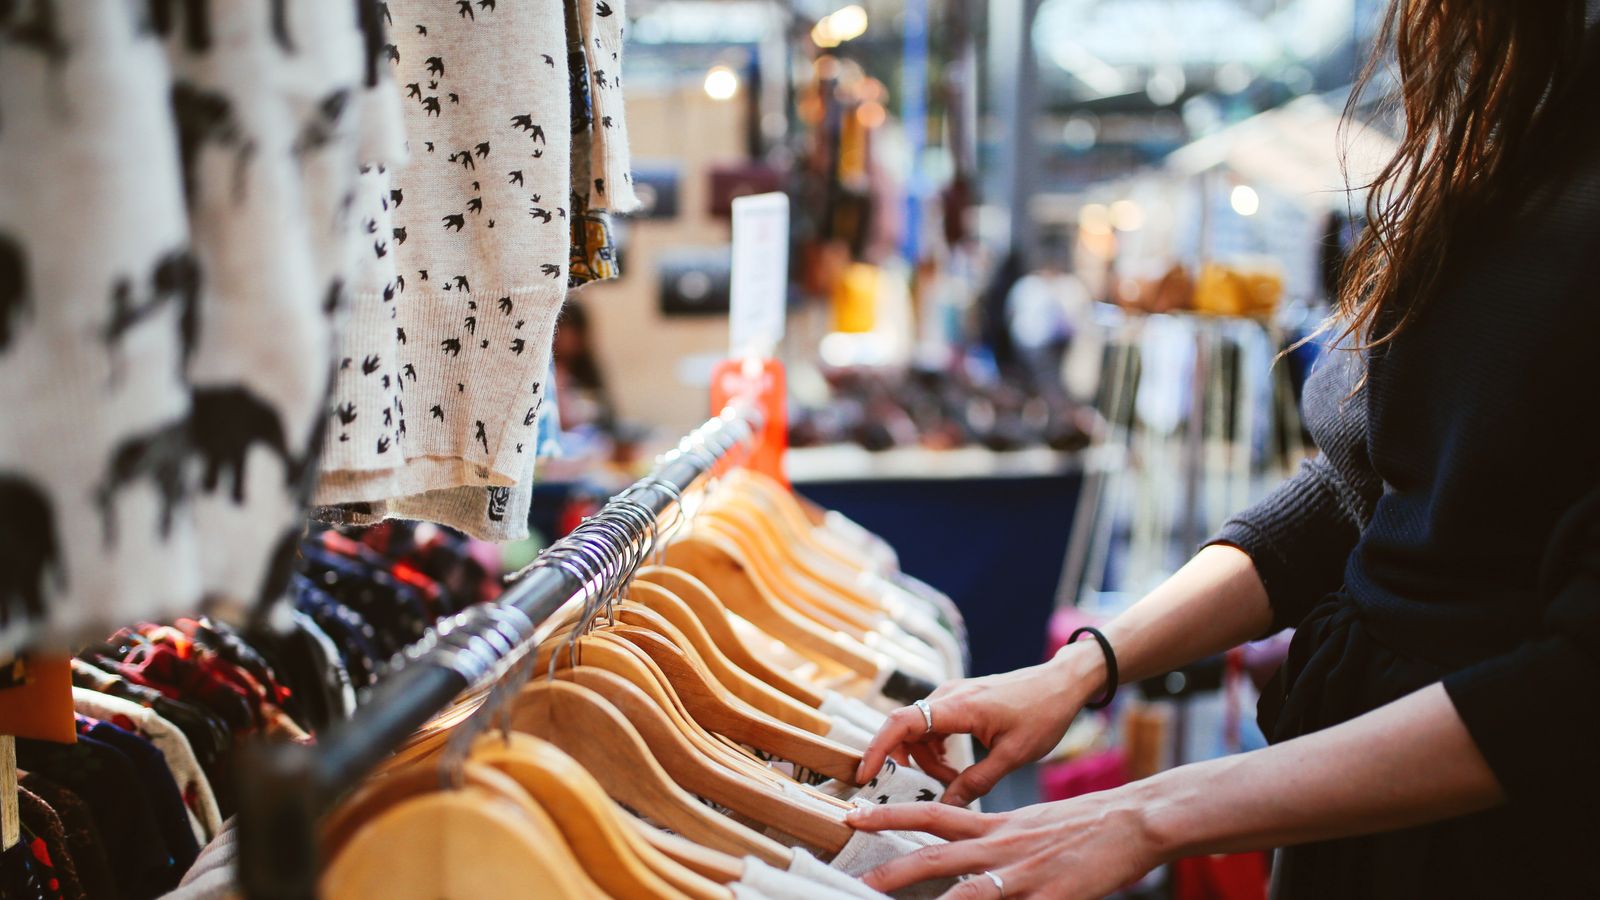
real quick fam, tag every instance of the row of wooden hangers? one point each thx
(640, 699)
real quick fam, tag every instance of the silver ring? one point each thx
(927, 714)
(998, 883)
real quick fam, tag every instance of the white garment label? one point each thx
(760, 274)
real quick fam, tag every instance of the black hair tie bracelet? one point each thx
(1111, 665)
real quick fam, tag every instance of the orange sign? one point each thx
(759, 382)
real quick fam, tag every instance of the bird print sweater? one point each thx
(593, 117)
(442, 373)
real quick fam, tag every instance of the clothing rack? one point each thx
(284, 789)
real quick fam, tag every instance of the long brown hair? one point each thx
(1480, 83)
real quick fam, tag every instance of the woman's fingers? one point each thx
(934, 861)
(978, 779)
(907, 725)
(930, 757)
(948, 822)
(981, 887)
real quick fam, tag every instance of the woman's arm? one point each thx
(1214, 602)
(1404, 764)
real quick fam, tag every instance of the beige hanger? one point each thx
(817, 826)
(718, 710)
(807, 565)
(719, 564)
(786, 577)
(713, 616)
(610, 652)
(604, 740)
(800, 518)
(388, 790)
(717, 866)
(621, 862)
(677, 616)
(457, 845)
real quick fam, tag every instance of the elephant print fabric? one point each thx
(176, 231)
(459, 305)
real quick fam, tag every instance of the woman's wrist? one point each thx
(1172, 808)
(1082, 665)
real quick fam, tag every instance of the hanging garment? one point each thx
(868, 850)
(81, 833)
(800, 881)
(44, 835)
(166, 388)
(175, 751)
(479, 240)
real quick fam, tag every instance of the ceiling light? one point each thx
(721, 83)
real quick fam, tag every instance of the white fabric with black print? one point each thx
(175, 236)
(461, 331)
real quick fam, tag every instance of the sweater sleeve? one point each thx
(1298, 538)
(1535, 711)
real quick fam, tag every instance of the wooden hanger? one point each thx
(10, 807)
(615, 655)
(718, 710)
(746, 686)
(713, 616)
(619, 861)
(826, 573)
(389, 790)
(717, 866)
(816, 826)
(717, 562)
(777, 583)
(799, 517)
(600, 736)
(457, 845)
(787, 576)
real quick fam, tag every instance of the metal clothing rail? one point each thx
(284, 789)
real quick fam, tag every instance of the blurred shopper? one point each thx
(1436, 728)
(1044, 310)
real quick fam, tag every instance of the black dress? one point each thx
(1450, 531)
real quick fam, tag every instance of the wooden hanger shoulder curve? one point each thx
(718, 710)
(455, 845)
(677, 622)
(813, 825)
(717, 563)
(713, 864)
(713, 616)
(594, 731)
(621, 863)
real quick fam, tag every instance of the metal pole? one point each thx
(284, 789)
(1013, 96)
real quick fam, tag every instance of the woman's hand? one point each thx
(1019, 716)
(1086, 847)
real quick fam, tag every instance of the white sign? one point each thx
(760, 276)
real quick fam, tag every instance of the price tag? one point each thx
(760, 274)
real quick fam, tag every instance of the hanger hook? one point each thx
(561, 555)
(638, 518)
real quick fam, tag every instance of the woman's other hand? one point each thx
(1019, 716)
(1086, 847)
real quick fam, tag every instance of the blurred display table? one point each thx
(988, 528)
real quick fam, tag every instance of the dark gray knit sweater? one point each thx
(1454, 502)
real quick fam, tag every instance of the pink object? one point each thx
(1063, 622)
(1085, 775)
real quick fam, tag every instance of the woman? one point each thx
(1436, 728)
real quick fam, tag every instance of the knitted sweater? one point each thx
(372, 471)
(1456, 502)
(443, 369)
(173, 241)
